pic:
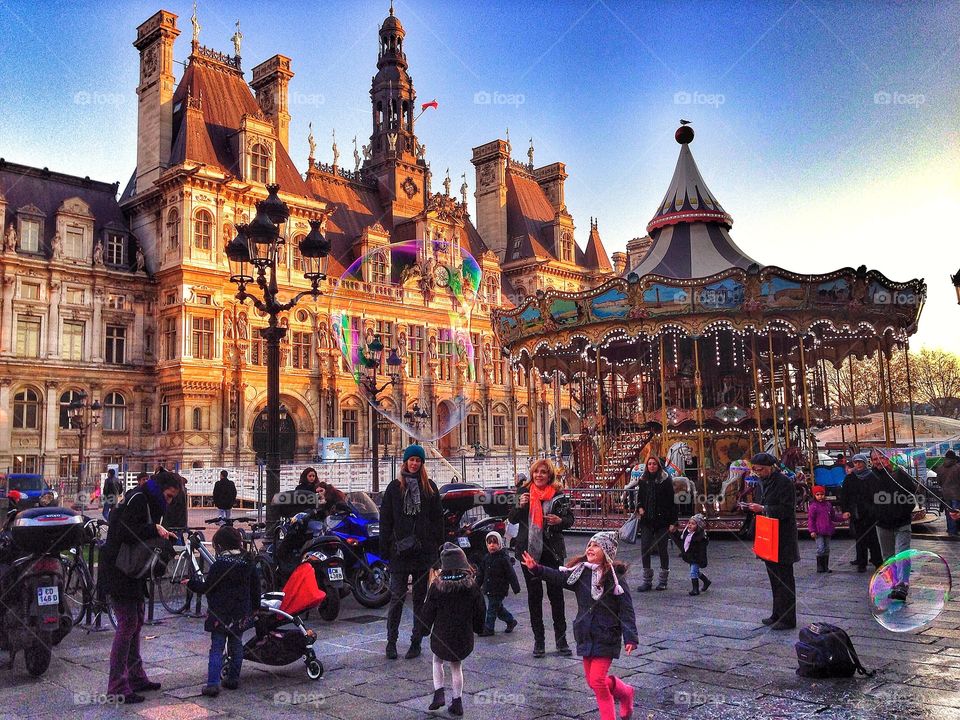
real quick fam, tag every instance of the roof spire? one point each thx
(196, 25)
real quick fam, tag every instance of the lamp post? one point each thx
(371, 364)
(956, 284)
(83, 415)
(258, 244)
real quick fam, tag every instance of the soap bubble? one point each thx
(909, 590)
(427, 346)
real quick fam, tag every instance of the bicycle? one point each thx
(258, 555)
(81, 594)
(189, 562)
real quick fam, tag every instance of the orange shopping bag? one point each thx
(766, 539)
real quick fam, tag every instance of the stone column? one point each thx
(137, 350)
(53, 321)
(97, 331)
(7, 319)
(50, 427)
(6, 415)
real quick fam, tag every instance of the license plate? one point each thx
(463, 542)
(335, 573)
(48, 595)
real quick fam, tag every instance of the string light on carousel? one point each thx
(701, 350)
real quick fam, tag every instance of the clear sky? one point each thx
(827, 129)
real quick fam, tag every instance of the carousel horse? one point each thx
(739, 485)
(678, 456)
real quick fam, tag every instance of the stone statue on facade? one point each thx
(236, 40)
(312, 143)
(530, 152)
(366, 152)
(195, 23)
(56, 246)
(140, 263)
(242, 328)
(10, 239)
(446, 184)
(336, 151)
(392, 140)
(463, 188)
(356, 156)
(98, 252)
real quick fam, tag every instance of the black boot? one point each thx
(826, 563)
(414, 650)
(705, 582)
(391, 649)
(820, 564)
(438, 700)
(562, 647)
(539, 648)
(696, 586)
(456, 706)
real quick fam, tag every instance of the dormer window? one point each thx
(30, 235)
(203, 230)
(73, 244)
(115, 249)
(380, 269)
(259, 163)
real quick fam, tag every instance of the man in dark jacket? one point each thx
(495, 579)
(857, 505)
(893, 502)
(948, 475)
(224, 495)
(780, 502)
(176, 513)
(111, 493)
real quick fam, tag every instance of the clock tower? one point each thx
(394, 155)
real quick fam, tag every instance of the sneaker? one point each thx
(231, 683)
(511, 625)
(210, 691)
(391, 651)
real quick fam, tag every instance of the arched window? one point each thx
(173, 229)
(197, 419)
(203, 230)
(259, 163)
(114, 412)
(68, 397)
(26, 410)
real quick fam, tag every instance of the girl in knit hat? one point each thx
(605, 617)
(453, 611)
(692, 542)
(822, 518)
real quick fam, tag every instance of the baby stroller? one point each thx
(273, 645)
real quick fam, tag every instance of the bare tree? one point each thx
(936, 378)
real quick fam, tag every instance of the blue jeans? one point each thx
(823, 545)
(694, 571)
(495, 609)
(951, 523)
(219, 639)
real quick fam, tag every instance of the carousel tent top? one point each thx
(690, 229)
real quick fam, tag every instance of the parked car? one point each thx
(31, 486)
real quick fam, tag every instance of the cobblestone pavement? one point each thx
(699, 657)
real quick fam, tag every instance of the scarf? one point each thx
(687, 539)
(537, 497)
(596, 581)
(411, 494)
(863, 474)
(153, 490)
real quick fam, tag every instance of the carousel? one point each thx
(703, 355)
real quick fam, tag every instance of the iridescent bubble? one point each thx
(426, 378)
(909, 590)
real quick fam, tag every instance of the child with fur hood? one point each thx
(605, 617)
(453, 611)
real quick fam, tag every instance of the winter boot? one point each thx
(414, 650)
(438, 700)
(647, 583)
(826, 563)
(623, 694)
(562, 647)
(391, 650)
(456, 706)
(539, 647)
(705, 582)
(696, 586)
(662, 579)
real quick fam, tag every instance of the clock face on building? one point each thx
(441, 276)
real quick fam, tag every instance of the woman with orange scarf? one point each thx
(542, 514)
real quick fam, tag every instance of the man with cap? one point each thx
(780, 502)
(948, 475)
(857, 505)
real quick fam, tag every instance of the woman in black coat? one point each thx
(135, 521)
(542, 514)
(658, 513)
(411, 530)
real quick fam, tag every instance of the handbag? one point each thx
(766, 540)
(408, 547)
(628, 531)
(146, 558)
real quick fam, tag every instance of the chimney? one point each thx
(490, 161)
(155, 40)
(270, 81)
(619, 262)
(550, 178)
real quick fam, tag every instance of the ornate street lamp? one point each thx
(258, 245)
(370, 359)
(83, 415)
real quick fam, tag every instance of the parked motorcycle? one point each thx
(33, 612)
(358, 524)
(457, 499)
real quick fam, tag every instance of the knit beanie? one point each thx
(452, 560)
(494, 534)
(608, 543)
(700, 520)
(414, 451)
(819, 489)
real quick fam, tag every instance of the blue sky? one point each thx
(828, 130)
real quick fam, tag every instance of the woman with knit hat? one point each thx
(453, 612)
(542, 514)
(411, 530)
(605, 617)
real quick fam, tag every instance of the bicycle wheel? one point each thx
(265, 574)
(77, 588)
(174, 595)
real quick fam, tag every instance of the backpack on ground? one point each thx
(826, 651)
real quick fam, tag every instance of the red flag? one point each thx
(433, 103)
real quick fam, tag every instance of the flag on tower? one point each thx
(433, 103)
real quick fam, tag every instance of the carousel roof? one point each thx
(690, 228)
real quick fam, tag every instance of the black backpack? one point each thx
(826, 651)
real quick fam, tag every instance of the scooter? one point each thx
(456, 499)
(358, 525)
(33, 612)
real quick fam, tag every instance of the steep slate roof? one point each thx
(209, 136)
(474, 243)
(595, 256)
(528, 210)
(22, 185)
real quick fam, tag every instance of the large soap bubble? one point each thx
(427, 345)
(909, 590)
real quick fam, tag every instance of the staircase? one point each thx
(621, 454)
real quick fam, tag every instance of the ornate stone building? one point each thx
(131, 302)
